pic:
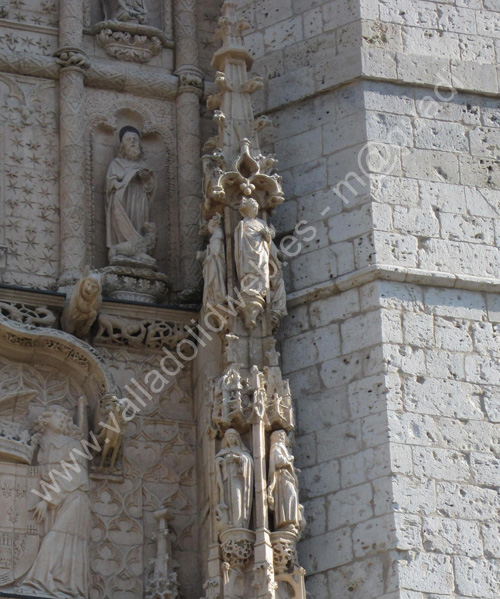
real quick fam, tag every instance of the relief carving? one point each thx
(110, 437)
(61, 566)
(134, 11)
(283, 486)
(214, 264)
(234, 471)
(131, 236)
(252, 248)
(130, 187)
(36, 316)
(151, 333)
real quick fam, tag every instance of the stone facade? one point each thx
(384, 117)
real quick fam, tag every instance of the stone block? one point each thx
(440, 464)
(310, 347)
(338, 307)
(453, 335)
(319, 480)
(491, 539)
(457, 19)
(408, 532)
(418, 329)
(360, 332)
(362, 579)
(339, 440)
(440, 135)
(412, 429)
(394, 190)
(414, 496)
(328, 551)
(350, 506)
(452, 537)
(477, 577)
(352, 224)
(485, 469)
(375, 394)
(438, 569)
(418, 221)
(467, 502)
(389, 128)
(399, 250)
(431, 166)
(474, 76)
(443, 397)
(430, 42)
(283, 33)
(374, 536)
(423, 69)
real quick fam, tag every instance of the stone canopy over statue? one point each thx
(130, 191)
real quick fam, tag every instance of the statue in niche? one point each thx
(214, 264)
(126, 11)
(81, 311)
(252, 248)
(130, 191)
(61, 566)
(277, 286)
(283, 486)
(234, 470)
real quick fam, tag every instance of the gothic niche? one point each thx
(124, 29)
(130, 215)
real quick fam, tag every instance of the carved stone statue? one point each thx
(110, 437)
(130, 190)
(214, 265)
(130, 11)
(61, 566)
(277, 285)
(283, 486)
(234, 469)
(81, 311)
(252, 247)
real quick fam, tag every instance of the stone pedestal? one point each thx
(135, 285)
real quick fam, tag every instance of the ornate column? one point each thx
(188, 136)
(248, 398)
(73, 61)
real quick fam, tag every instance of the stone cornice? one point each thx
(140, 81)
(386, 272)
(56, 301)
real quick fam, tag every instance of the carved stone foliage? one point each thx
(107, 112)
(29, 165)
(150, 333)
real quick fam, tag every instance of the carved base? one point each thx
(130, 41)
(135, 285)
(237, 547)
(285, 551)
